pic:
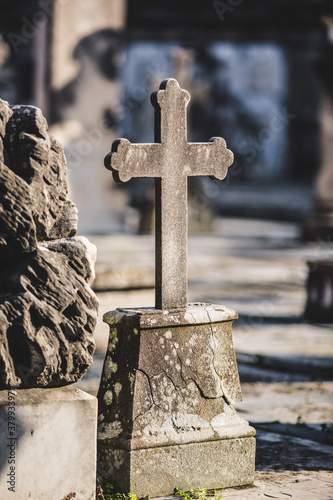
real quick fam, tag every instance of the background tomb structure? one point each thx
(91, 67)
(319, 225)
(170, 374)
(48, 312)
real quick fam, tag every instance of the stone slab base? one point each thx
(47, 444)
(157, 471)
(319, 304)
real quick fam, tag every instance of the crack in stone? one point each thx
(184, 379)
(214, 341)
(181, 368)
(150, 389)
(194, 321)
(168, 376)
(144, 413)
(209, 318)
(202, 393)
(224, 396)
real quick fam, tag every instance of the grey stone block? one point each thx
(47, 444)
(319, 287)
(165, 401)
(157, 471)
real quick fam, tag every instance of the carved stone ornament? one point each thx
(47, 309)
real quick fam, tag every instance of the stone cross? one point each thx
(171, 159)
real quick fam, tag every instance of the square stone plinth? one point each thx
(319, 304)
(157, 471)
(166, 418)
(47, 444)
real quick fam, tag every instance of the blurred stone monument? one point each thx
(86, 56)
(47, 317)
(319, 225)
(319, 303)
(170, 374)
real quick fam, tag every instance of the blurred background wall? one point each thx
(259, 73)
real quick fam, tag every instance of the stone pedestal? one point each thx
(319, 225)
(165, 402)
(47, 444)
(319, 287)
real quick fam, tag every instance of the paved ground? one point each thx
(285, 362)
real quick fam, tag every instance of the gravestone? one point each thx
(170, 376)
(48, 312)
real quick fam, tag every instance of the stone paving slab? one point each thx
(317, 367)
(286, 402)
(309, 485)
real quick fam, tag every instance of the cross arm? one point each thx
(127, 160)
(209, 158)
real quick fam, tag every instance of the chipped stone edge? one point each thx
(193, 314)
(110, 436)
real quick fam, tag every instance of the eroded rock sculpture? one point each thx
(47, 309)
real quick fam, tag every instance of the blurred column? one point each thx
(320, 223)
(319, 305)
(41, 94)
(74, 20)
(86, 57)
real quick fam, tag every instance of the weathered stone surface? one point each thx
(171, 160)
(169, 378)
(157, 471)
(198, 313)
(52, 446)
(47, 309)
(37, 158)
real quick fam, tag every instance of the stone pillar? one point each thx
(47, 444)
(87, 53)
(74, 20)
(320, 223)
(319, 287)
(319, 226)
(166, 418)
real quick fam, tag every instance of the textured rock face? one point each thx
(47, 309)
